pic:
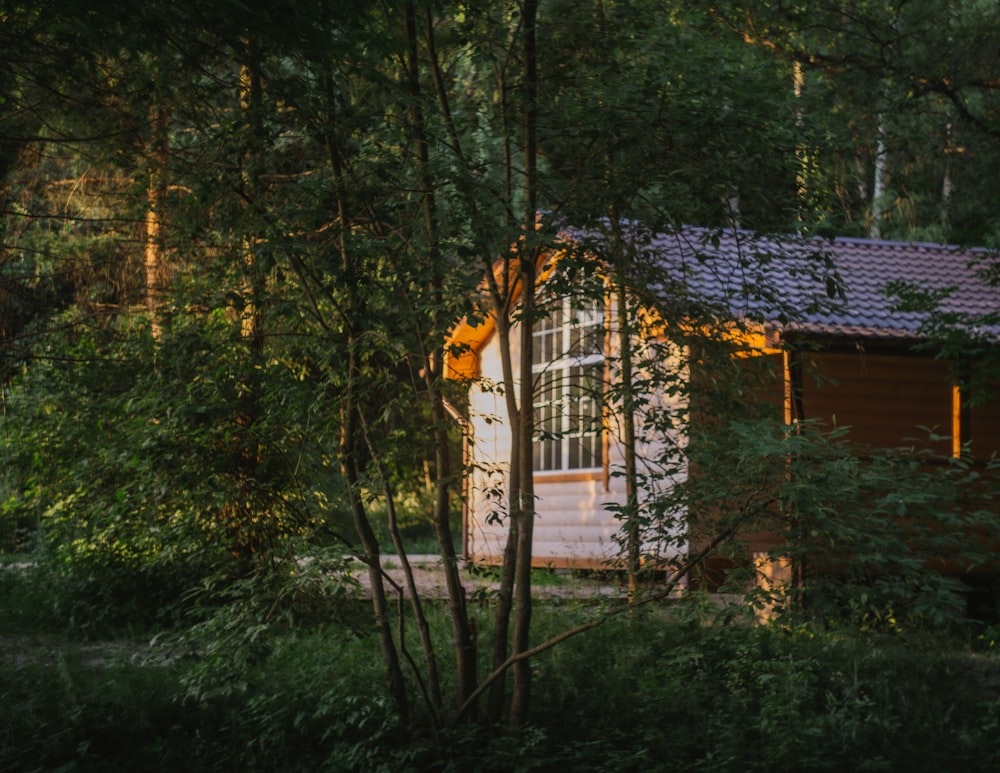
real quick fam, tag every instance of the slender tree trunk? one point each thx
(431, 686)
(505, 593)
(524, 509)
(349, 411)
(244, 521)
(155, 259)
(463, 635)
(802, 166)
(461, 629)
(622, 280)
(633, 537)
(369, 544)
(503, 297)
(947, 185)
(879, 182)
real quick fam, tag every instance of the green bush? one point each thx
(651, 691)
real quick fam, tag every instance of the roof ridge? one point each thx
(861, 240)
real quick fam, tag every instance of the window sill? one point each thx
(564, 476)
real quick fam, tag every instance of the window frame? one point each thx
(569, 360)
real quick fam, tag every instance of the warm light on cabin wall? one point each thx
(956, 421)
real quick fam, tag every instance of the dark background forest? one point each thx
(234, 237)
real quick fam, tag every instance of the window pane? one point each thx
(547, 333)
(587, 340)
(583, 452)
(548, 425)
(584, 416)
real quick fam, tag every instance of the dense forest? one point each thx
(235, 236)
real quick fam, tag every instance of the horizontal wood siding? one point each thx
(984, 424)
(573, 526)
(571, 523)
(884, 399)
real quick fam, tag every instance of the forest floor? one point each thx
(429, 579)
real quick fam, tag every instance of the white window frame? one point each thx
(568, 372)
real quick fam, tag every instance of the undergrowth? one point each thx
(250, 688)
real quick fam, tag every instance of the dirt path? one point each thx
(430, 583)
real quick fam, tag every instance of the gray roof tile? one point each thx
(831, 287)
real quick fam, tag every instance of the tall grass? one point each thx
(653, 692)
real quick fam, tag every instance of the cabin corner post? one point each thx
(794, 407)
(777, 575)
(961, 411)
(606, 416)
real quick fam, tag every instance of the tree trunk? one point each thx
(523, 510)
(431, 686)
(462, 637)
(505, 593)
(947, 185)
(245, 524)
(462, 632)
(633, 537)
(879, 183)
(372, 555)
(155, 260)
(349, 411)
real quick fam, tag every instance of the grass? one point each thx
(307, 693)
(543, 577)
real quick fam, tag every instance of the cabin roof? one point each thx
(838, 288)
(835, 287)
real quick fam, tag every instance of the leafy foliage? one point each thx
(885, 551)
(706, 697)
(234, 239)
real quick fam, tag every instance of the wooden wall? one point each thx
(573, 525)
(886, 397)
(883, 398)
(983, 424)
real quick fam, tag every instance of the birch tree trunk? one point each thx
(879, 181)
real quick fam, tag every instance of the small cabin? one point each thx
(849, 355)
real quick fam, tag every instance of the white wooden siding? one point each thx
(573, 525)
